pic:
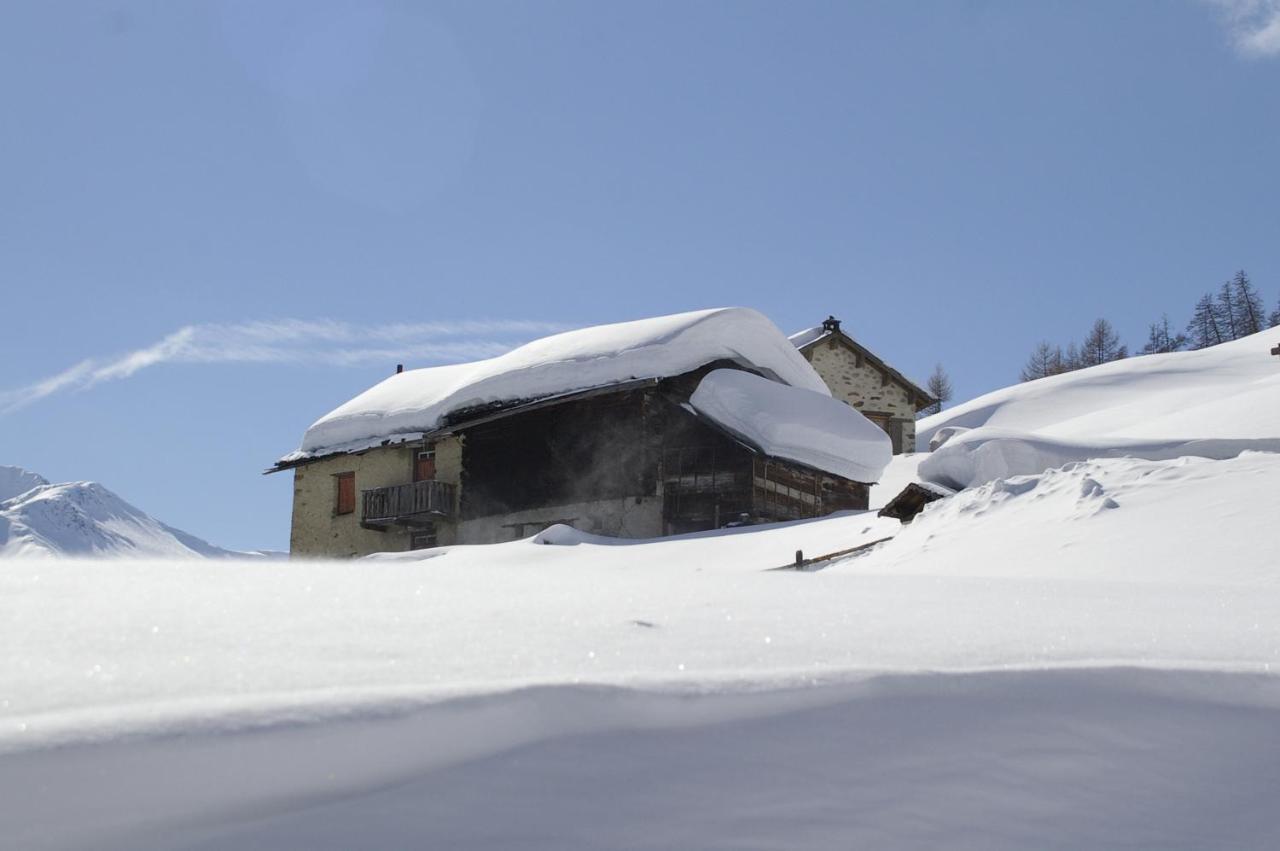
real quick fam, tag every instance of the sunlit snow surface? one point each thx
(1212, 403)
(1080, 658)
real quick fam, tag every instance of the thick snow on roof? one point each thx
(1211, 403)
(416, 401)
(794, 423)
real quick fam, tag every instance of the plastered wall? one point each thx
(317, 531)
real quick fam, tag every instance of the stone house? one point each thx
(856, 376)
(640, 429)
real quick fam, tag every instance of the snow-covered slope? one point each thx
(1213, 403)
(15, 481)
(85, 519)
(413, 402)
(1095, 640)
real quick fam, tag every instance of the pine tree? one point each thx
(1203, 327)
(1249, 312)
(1045, 360)
(939, 387)
(1274, 318)
(1226, 313)
(1161, 339)
(1101, 344)
(1071, 361)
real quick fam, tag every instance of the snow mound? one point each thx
(794, 423)
(87, 519)
(418, 400)
(1187, 520)
(985, 454)
(15, 481)
(564, 535)
(1211, 403)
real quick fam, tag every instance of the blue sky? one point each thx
(220, 220)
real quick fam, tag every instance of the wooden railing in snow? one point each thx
(416, 502)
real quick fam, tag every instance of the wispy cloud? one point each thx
(293, 341)
(1254, 25)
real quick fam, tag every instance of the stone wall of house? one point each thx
(863, 386)
(318, 532)
(449, 469)
(625, 517)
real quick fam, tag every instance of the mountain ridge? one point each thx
(41, 518)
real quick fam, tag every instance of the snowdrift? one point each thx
(1212, 403)
(1098, 638)
(1064, 759)
(1119, 561)
(415, 401)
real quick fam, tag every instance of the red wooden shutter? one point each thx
(346, 493)
(424, 466)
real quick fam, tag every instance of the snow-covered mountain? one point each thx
(15, 481)
(38, 518)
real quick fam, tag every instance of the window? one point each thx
(423, 539)
(346, 493)
(424, 463)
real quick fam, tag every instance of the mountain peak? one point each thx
(15, 481)
(38, 518)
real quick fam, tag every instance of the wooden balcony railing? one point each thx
(407, 505)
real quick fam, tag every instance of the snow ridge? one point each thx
(86, 519)
(1212, 403)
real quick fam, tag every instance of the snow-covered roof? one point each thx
(418, 401)
(800, 339)
(794, 423)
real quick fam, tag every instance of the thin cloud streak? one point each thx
(296, 342)
(1254, 25)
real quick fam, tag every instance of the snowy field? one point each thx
(1078, 658)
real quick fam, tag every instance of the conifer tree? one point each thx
(1227, 313)
(1249, 312)
(1072, 360)
(1161, 339)
(1203, 328)
(1046, 359)
(1274, 319)
(1101, 344)
(939, 387)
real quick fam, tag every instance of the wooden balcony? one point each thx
(414, 504)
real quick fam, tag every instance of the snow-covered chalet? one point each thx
(639, 429)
